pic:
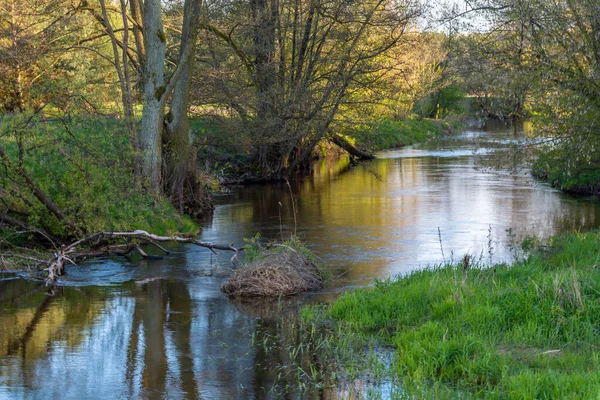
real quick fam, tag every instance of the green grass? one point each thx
(393, 133)
(524, 331)
(85, 165)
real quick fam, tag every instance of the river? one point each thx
(162, 328)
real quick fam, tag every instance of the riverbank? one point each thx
(226, 152)
(66, 177)
(393, 134)
(83, 166)
(370, 221)
(527, 330)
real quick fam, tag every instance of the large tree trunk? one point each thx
(154, 90)
(268, 129)
(179, 150)
(150, 139)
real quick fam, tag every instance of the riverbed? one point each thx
(162, 328)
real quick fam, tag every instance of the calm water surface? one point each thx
(162, 329)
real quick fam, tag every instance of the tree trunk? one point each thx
(150, 139)
(154, 89)
(179, 151)
(264, 52)
(124, 78)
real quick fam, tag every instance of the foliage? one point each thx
(495, 68)
(558, 168)
(527, 330)
(540, 59)
(288, 70)
(447, 101)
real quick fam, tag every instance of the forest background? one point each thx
(122, 115)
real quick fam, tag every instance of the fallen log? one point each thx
(70, 254)
(350, 149)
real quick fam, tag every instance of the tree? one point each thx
(158, 86)
(178, 139)
(297, 62)
(555, 59)
(33, 38)
(37, 72)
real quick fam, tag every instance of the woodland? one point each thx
(121, 121)
(125, 115)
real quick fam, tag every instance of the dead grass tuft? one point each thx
(280, 273)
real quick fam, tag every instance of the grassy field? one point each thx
(525, 331)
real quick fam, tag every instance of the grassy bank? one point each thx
(389, 133)
(523, 331)
(85, 166)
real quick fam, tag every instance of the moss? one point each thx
(161, 36)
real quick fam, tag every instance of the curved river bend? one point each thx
(162, 328)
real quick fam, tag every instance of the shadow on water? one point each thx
(161, 328)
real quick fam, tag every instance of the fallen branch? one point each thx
(69, 254)
(350, 149)
(6, 219)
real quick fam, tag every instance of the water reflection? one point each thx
(162, 328)
(162, 338)
(381, 218)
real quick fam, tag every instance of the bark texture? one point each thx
(154, 90)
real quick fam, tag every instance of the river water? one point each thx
(162, 328)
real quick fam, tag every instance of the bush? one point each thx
(562, 171)
(451, 101)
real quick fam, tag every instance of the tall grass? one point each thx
(528, 330)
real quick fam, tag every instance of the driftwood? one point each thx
(97, 246)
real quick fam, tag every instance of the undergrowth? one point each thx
(561, 170)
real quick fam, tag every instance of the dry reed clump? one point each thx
(280, 273)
